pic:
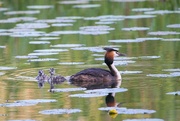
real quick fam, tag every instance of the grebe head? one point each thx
(52, 71)
(110, 54)
(40, 73)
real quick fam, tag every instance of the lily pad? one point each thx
(139, 16)
(171, 39)
(59, 111)
(126, 40)
(27, 34)
(136, 29)
(40, 6)
(47, 38)
(43, 53)
(161, 33)
(74, 2)
(23, 120)
(22, 12)
(87, 6)
(4, 9)
(30, 102)
(25, 56)
(61, 25)
(142, 9)
(2, 73)
(42, 60)
(2, 46)
(130, 72)
(32, 25)
(173, 74)
(149, 57)
(65, 32)
(128, 111)
(67, 45)
(173, 93)
(88, 95)
(71, 63)
(15, 104)
(67, 89)
(173, 69)
(7, 68)
(39, 42)
(18, 19)
(94, 32)
(159, 12)
(144, 119)
(173, 26)
(106, 90)
(50, 50)
(36, 101)
(127, 0)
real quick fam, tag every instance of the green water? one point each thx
(149, 57)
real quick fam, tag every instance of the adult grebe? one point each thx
(92, 78)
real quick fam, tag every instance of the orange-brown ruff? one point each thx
(92, 78)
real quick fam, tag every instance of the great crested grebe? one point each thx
(93, 78)
(54, 79)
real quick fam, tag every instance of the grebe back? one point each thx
(97, 77)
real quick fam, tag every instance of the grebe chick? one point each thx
(41, 78)
(93, 78)
(54, 79)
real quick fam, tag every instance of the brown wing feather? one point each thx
(93, 78)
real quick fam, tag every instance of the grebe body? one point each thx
(53, 79)
(99, 78)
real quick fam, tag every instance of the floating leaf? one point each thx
(149, 57)
(7, 68)
(30, 102)
(163, 33)
(21, 12)
(174, 69)
(159, 12)
(142, 9)
(36, 101)
(87, 6)
(25, 56)
(126, 40)
(173, 26)
(39, 42)
(47, 38)
(67, 89)
(59, 111)
(173, 93)
(135, 29)
(130, 72)
(106, 90)
(171, 39)
(74, 2)
(67, 45)
(42, 60)
(32, 25)
(88, 95)
(128, 111)
(42, 53)
(144, 119)
(40, 6)
(50, 50)
(71, 63)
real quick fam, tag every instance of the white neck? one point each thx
(115, 71)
